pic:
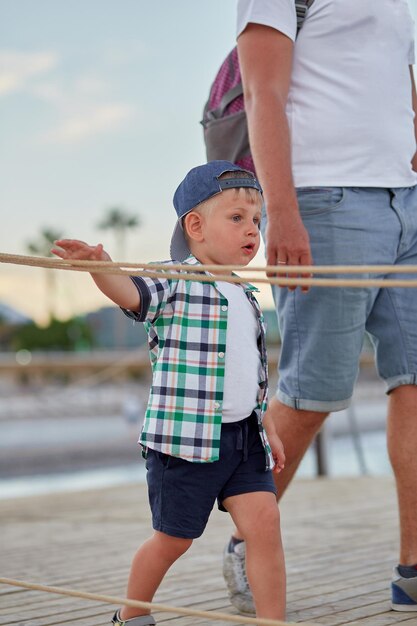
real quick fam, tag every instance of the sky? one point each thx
(100, 103)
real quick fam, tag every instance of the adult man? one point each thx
(334, 143)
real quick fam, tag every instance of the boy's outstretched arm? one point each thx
(120, 289)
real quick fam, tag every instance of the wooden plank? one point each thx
(340, 537)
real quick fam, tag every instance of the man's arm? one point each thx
(265, 57)
(414, 97)
(120, 289)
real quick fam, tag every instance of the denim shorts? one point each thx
(323, 330)
(182, 494)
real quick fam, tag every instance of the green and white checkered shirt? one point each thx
(186, 323)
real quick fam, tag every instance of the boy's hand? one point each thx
(120, 289)
(277, 450)
(275, 442)
(79, 250)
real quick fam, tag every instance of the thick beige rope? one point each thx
(187, 272)
(278, 269)
(212, 615)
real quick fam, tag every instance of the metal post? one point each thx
(321, 445)
(356, 439)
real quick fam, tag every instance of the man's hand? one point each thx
(79, 250)
(287, 242)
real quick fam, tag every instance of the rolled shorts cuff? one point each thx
(321, 406)
(267, 486)
(397, 381)
(192, 533)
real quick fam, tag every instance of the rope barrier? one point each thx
(212, 615)
(187, 272)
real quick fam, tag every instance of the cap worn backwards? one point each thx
(200, 184)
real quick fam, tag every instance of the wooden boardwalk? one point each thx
(340, 537)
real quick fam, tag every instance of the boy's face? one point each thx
(230, 228)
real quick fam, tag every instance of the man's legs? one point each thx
(402, 445)
(322, 330)
(402, 448)
(296, 430)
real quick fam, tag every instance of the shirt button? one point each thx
(217, 405)
(221, 355)
(224, 307)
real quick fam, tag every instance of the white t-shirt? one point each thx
(349, 106)
(242, 361)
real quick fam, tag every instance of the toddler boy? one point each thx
(203, 435)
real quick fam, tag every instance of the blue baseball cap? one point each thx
(200, 184)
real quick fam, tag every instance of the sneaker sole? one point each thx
(405, 608)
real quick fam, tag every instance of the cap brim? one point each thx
(179, 249)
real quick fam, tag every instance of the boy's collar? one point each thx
(192, 260)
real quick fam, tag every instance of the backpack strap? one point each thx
(227, 98)
(301, 8)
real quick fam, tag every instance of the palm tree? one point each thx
(42, 247)
(117, 220)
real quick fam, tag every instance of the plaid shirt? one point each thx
(186, 322)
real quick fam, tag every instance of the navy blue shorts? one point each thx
(182, 494)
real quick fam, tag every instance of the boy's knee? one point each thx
(271, 518)
(267, 518)
(269, 539)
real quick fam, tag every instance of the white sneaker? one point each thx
(234, 572)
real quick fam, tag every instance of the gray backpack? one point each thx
(224, 117)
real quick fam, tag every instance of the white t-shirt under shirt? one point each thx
(349, 106)
(242, 361)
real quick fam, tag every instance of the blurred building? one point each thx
(112, 329)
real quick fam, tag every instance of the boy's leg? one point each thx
(181, 496)
(257, 517)
(149, 566)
